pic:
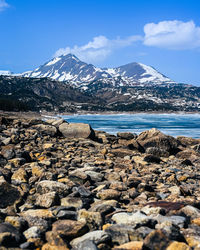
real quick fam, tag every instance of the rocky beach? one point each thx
(66, 186)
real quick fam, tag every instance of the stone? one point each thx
(130, 218)
(17, 222)
(19, 176)
(76, 130)
(154, 138)
(196, 221)
(72, 201)
(46, 129)
(152, 158)
(38, 213)
(178, 246)
(156, 240)
(47, 200)
(166, 205)
(60, 189)
(92, 219)
(8, 152)
(8, 228)
(85, 245)
(32, 232)
(132, 245)
(69, 228)
(9, 194)
(191, 211)
(97, 237)
(126, 135)
(109, 194)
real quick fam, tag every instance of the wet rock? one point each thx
(76, 130)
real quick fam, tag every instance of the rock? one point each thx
(191, 211)
(109, 194)
(85, 245)
(27, 245)
(174, 219)
(79, 177)
(60, 189)
(13, 233)
(76, 130)
(32, 232)
(166, 205)
(96, 236)
(196, 221)
(126, 135)
(38, 213)
(131, 218)
(9, 195)
(69, 229)
(156, 240)
(46, 129)
(19, 176)
(8, 152)
(47, 200)
(152, 158)
(92, 219)
(154, 138)
(72, 201)
(178, 246)
(17, 222)
(121, 233)
(133, 245)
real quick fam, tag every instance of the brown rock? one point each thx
(156, 240)
(178, 246)
(69, 229)
(133, 245)
(109, 194)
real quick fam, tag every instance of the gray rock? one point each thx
(32, 232)
(46, 129)
(97, 237)
(76, 130)
(85, 245)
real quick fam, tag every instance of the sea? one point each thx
(170, 124)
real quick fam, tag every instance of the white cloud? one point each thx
(3, 5)
(98, 49)
(172, 35)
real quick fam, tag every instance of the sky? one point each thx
(107, 33)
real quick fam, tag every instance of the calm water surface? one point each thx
(171, 124)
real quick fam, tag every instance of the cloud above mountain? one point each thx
(3, 5)
(99, 48)
(175, 35)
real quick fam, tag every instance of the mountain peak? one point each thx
(68, 67)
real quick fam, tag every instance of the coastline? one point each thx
(71, 183)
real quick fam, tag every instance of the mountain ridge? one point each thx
(70, 68)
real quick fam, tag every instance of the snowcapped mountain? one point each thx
(70, 68)
(5, 73)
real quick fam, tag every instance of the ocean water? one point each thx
(171, 124)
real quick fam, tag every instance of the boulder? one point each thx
(46, 129)
(76, 130)
(155, 138)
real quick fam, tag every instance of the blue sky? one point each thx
(107, 33)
